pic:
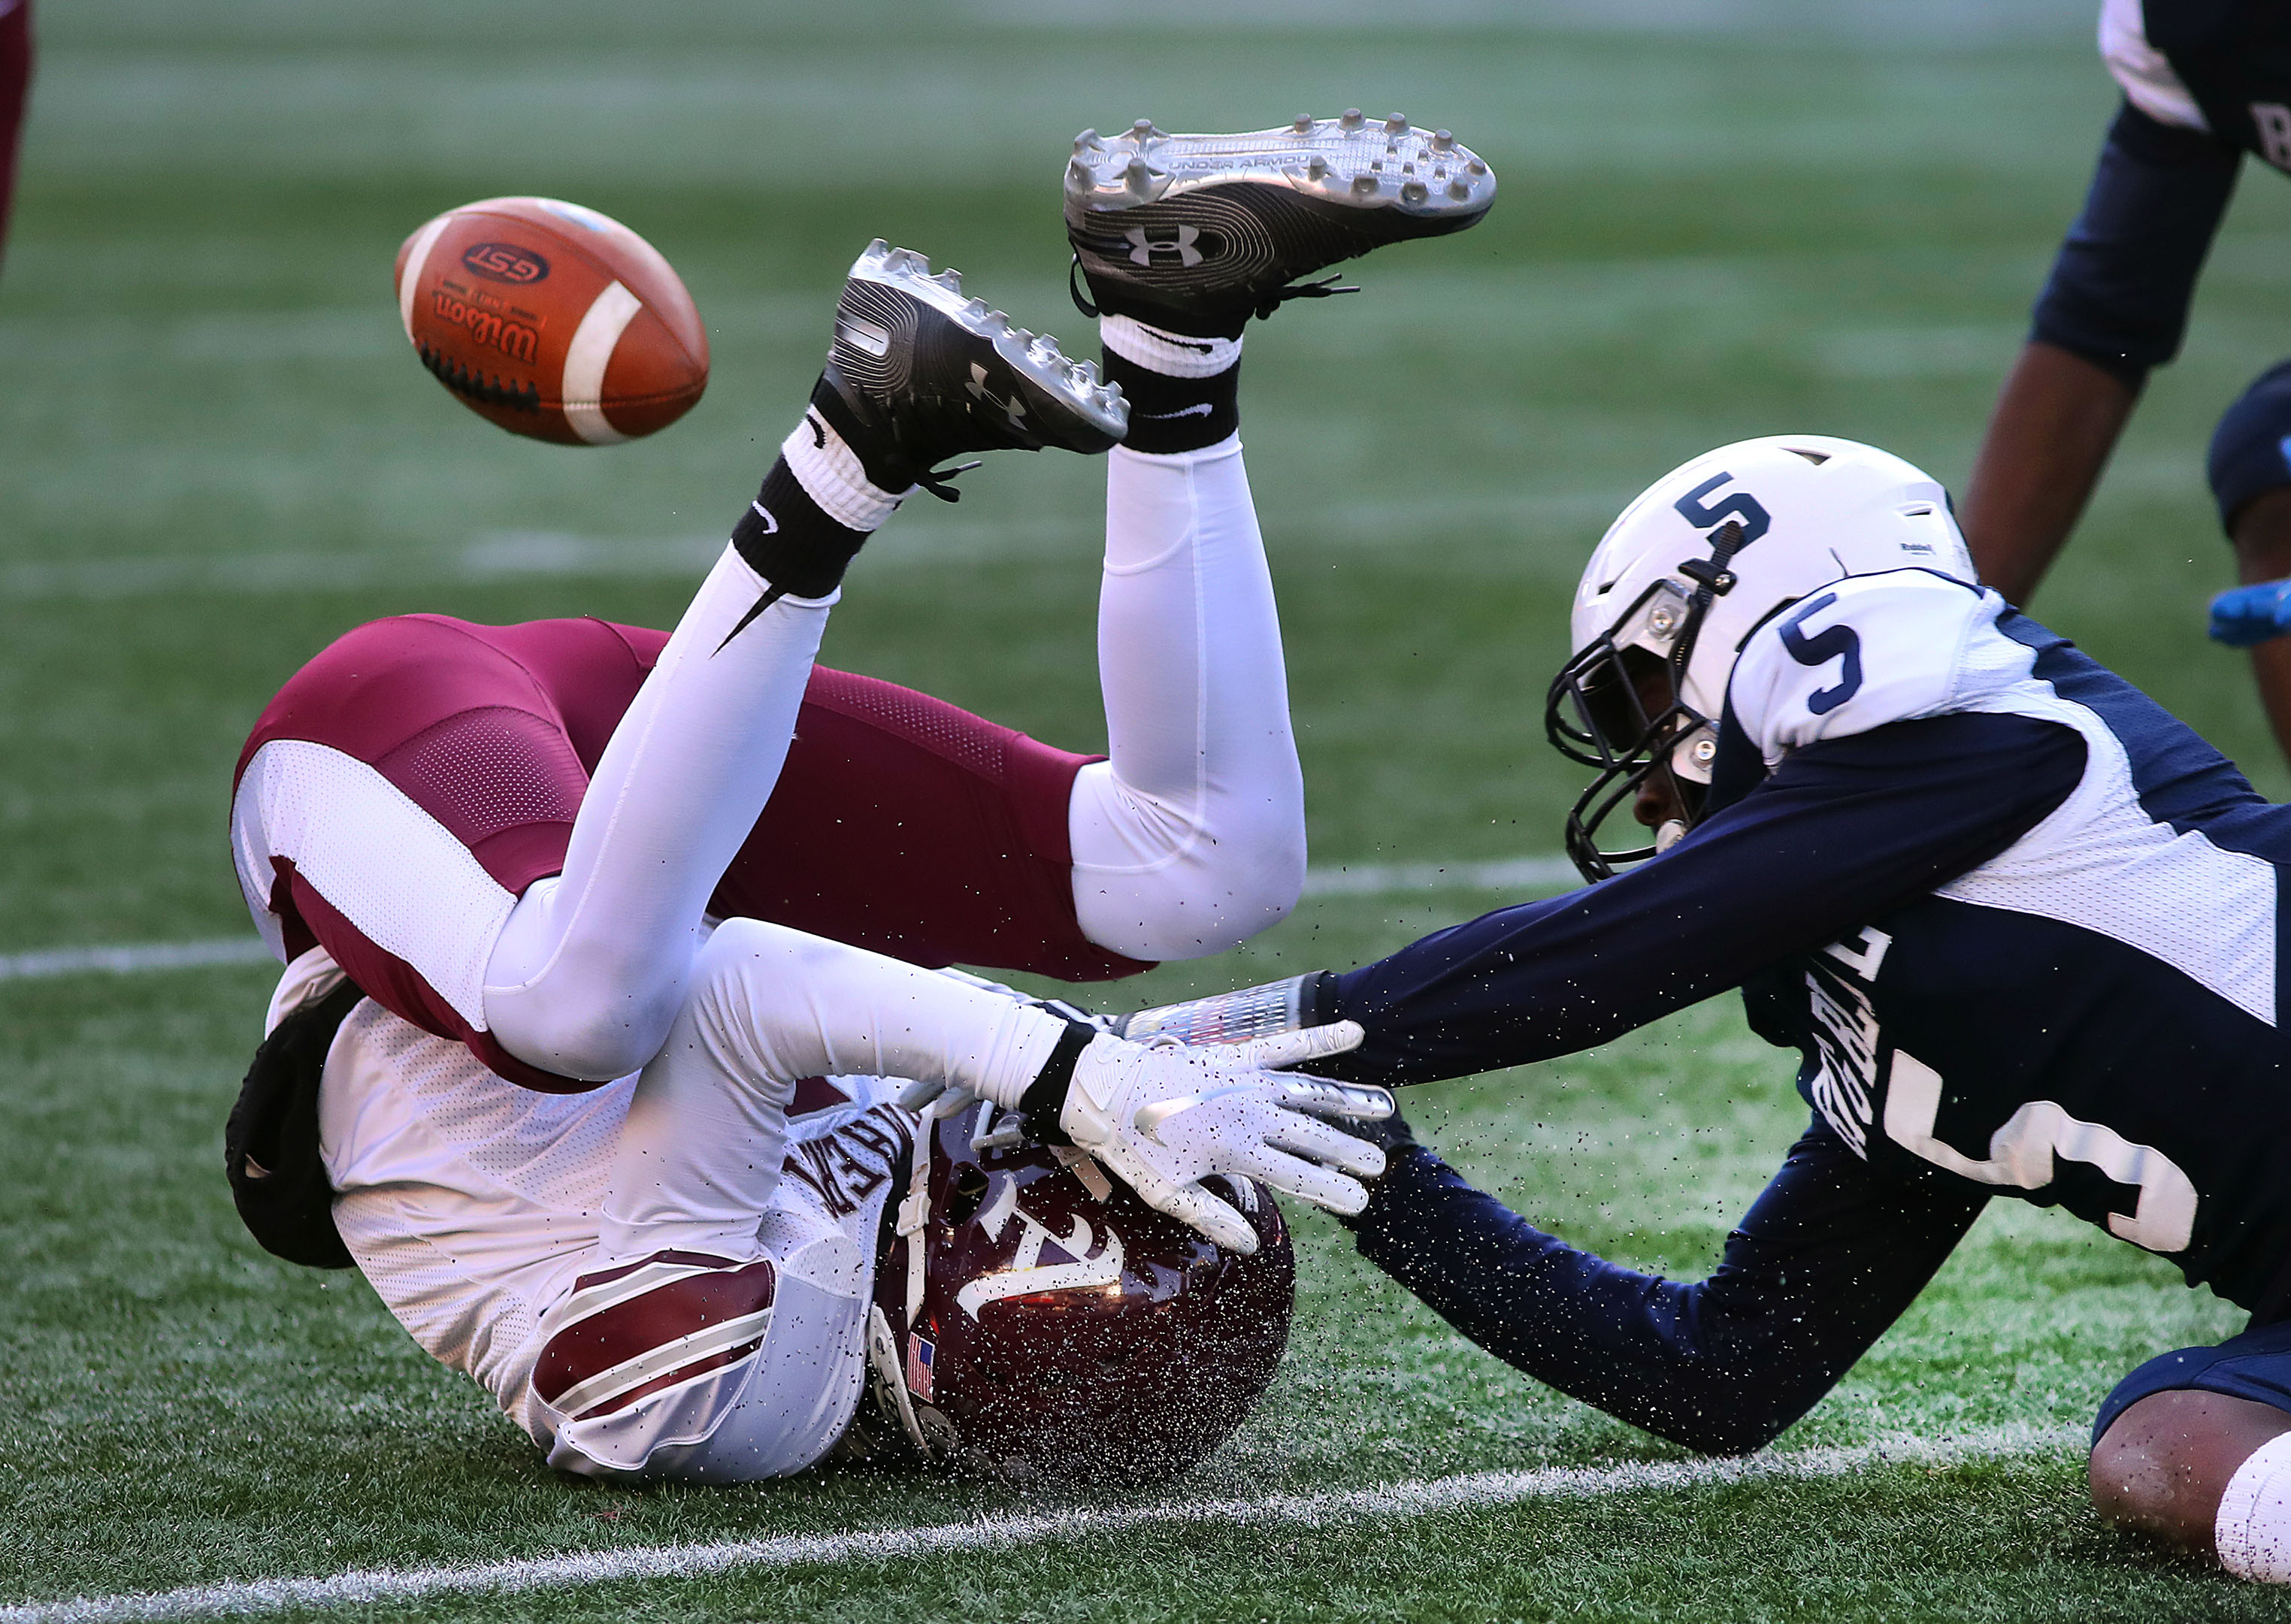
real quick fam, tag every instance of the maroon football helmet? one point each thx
(1036, 1321)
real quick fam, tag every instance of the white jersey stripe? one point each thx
(691, 1348)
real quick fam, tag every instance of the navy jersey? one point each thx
(2205, 82)
(2019, 924)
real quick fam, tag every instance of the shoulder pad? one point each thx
(1866, 651)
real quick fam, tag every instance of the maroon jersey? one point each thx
(899, 824)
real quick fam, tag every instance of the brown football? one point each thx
(552, 320)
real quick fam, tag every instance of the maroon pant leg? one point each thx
(15, 92)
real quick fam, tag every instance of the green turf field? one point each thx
(215, 454)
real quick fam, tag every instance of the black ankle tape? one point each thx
(1170, 414)
(788, 540)
(1046, 1096)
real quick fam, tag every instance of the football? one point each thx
(552, 320)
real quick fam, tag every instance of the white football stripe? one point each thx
(586, 359)
(1466, 1491)
(414, 260)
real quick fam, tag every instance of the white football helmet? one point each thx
(1704, 556)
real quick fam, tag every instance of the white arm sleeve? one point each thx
(1191, 839)
(769, 1006)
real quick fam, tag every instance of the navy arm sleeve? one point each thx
(1841, 833)
(1824, 1261)
(2119, 291)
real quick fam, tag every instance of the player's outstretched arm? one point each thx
(701, 1150)
(1845, 830)
(1827, 1259)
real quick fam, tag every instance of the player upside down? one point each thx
(491, 856)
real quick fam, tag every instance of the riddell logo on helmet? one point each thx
(505, 262)
(513, 339)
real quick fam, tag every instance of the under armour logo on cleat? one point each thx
(1014, 408)
(1143, 248)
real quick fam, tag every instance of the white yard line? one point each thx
(1538, 875)
(510, 555)
(1467, 1492)
(132, 959)
(1528, 876)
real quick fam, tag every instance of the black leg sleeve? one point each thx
(1824, 1260)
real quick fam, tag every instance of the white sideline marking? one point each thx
(1379, 879)
(1466, 1491)
(1540, 874)
(131, 960)
(511, 555)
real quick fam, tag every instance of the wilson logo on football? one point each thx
(505, 262)
(513, 339)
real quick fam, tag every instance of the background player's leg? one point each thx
(2262, 534)
(2250, 474)
(1191, 839)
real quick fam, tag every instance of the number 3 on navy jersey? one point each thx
(1821, 647)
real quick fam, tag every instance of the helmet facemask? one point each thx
(1618, 705)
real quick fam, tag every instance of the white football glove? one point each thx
(1163, 1118)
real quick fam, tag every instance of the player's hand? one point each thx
(2243, 616)
(1163, 1118)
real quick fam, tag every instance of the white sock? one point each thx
(2254, 1529)
(832, 475)
(1175, 354)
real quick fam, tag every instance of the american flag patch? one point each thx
(920, 1356)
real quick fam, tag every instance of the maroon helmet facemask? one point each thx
(1036, 1321)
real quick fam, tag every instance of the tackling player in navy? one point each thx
(2019, 923)
(2205, 82)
